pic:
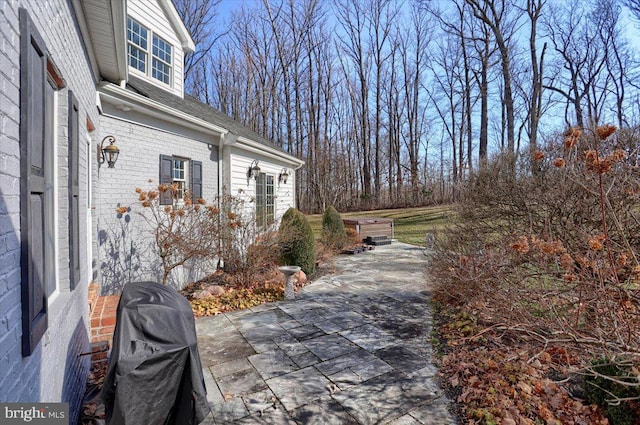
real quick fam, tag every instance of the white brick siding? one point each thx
(126, 245)
(54, 372)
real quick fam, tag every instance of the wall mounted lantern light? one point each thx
(254, 169)
(284, 176)
(108, 153)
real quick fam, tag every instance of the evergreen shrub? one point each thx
(297, 243)
(333, 231)
(623, 393)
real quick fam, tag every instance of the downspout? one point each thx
(220, 264)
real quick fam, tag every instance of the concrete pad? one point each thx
(402, 359)
(241, 383)
(228, 368)
(382, 399)
(369, 337)
(272, 363)
(300, 387)
(324, 412)
(352, 348)
(222, 348)
(329, 346)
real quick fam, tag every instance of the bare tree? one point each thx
(534, 11)
(352, 18)
(199, 18)
(414, 43)
(495, 14)
(586, 45)
(361, 102)
(634, 6)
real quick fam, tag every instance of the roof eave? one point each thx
(91, 22)
(257, 147)
(114, 94)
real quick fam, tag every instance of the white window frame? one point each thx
(265, 200)
(132, 45)
(52, 281)
(160, 57)
(183, 180)
(155, 59)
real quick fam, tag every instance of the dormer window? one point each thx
(141, 53)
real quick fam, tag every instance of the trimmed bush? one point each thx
(296, 239)
(333, 232)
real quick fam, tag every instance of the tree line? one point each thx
(395, 103)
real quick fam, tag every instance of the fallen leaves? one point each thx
(496, 383)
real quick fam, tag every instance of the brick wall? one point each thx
(126, 246)
(54, 372)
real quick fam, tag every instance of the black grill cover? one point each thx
(154, 374)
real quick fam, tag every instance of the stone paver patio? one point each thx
(352, 348)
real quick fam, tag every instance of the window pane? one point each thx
(137, 58)
(178, 169)
(180, 176)
(136, 34)
(260, 200)
(161, 63)
(137, 45)
(160, 71)
(162, 50)
(270, 201)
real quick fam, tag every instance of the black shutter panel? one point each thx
(32, 183)
(196, 180)
(74, 192)
(166, 171)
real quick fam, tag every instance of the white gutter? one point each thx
(115, 95)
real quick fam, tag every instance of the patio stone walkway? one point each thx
(352, 348)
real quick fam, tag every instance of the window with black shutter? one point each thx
(185, 175)
(38, 80)
(196, 179)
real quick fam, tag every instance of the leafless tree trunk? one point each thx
(352, 17)
(494, 13)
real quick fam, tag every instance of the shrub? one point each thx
(613, 386)
(333, 232)
(183, 231)
(550, 248)
(297, 244)
(190, 230)
(245, 249)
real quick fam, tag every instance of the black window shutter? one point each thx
(74, 192)
(196, 180)
(33, 78)
(166, 171)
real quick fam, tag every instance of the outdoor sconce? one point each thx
(108, 153)
(254, 170)
(284, 175)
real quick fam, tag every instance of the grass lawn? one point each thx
(410, 224)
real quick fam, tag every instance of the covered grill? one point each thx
(154, 374)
